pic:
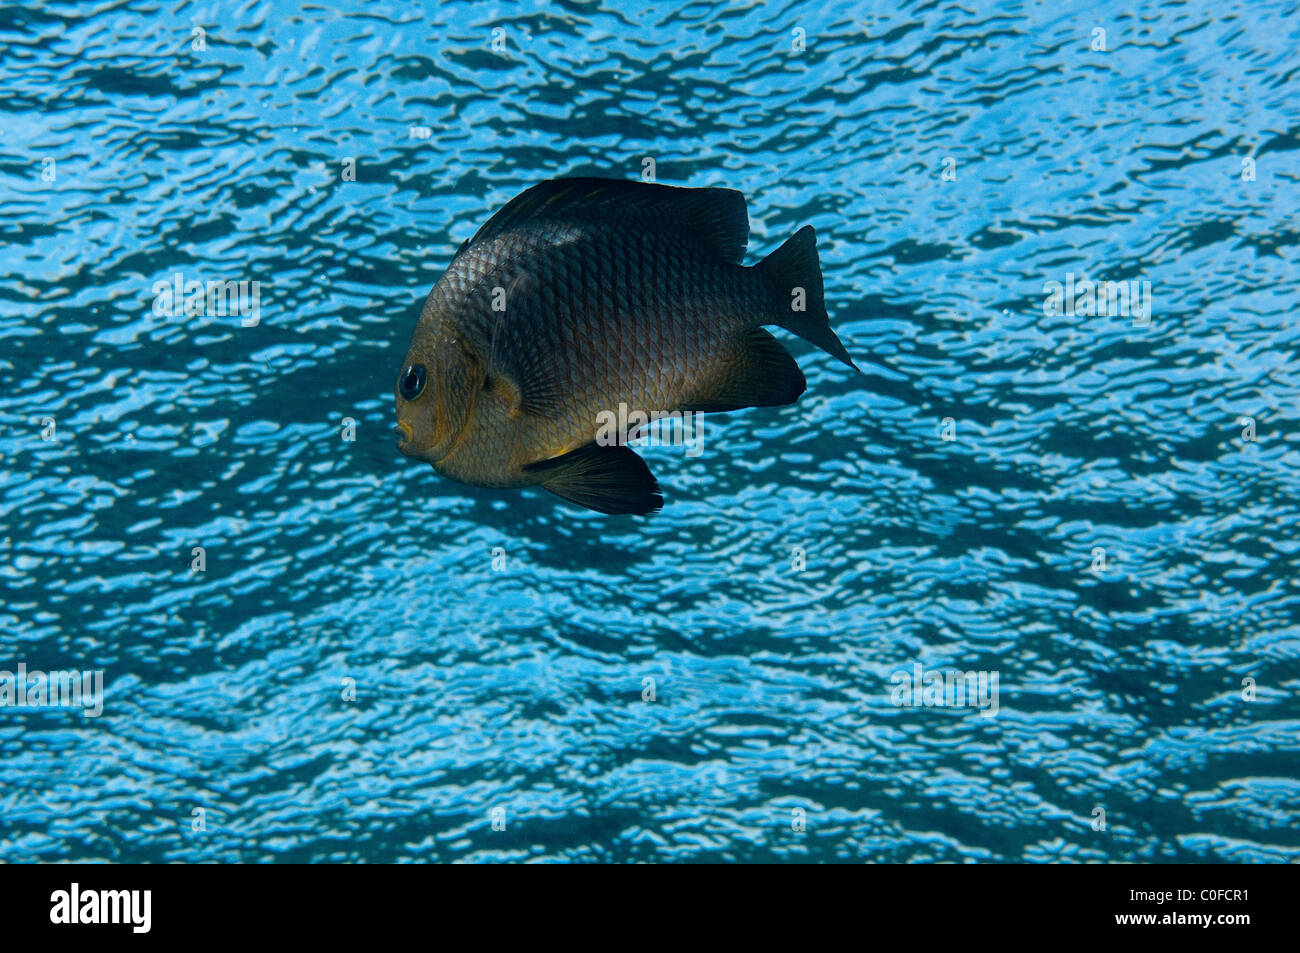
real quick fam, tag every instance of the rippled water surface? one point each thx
(1072, 502)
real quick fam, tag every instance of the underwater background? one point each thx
(315, 649)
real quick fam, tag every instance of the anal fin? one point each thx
(761, 373)
(611, 480)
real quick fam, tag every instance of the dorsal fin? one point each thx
(714, 217)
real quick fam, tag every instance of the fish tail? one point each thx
(793, 274)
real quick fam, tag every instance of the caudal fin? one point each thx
(793, 275)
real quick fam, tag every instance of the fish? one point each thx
(583, 294)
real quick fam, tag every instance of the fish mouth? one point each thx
(405, 435)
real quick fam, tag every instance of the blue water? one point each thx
(1072, 502)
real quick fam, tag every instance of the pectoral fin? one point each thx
(609, 480)
(522, 371)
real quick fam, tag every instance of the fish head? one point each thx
(435, 393)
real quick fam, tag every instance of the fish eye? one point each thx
(412, 383)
